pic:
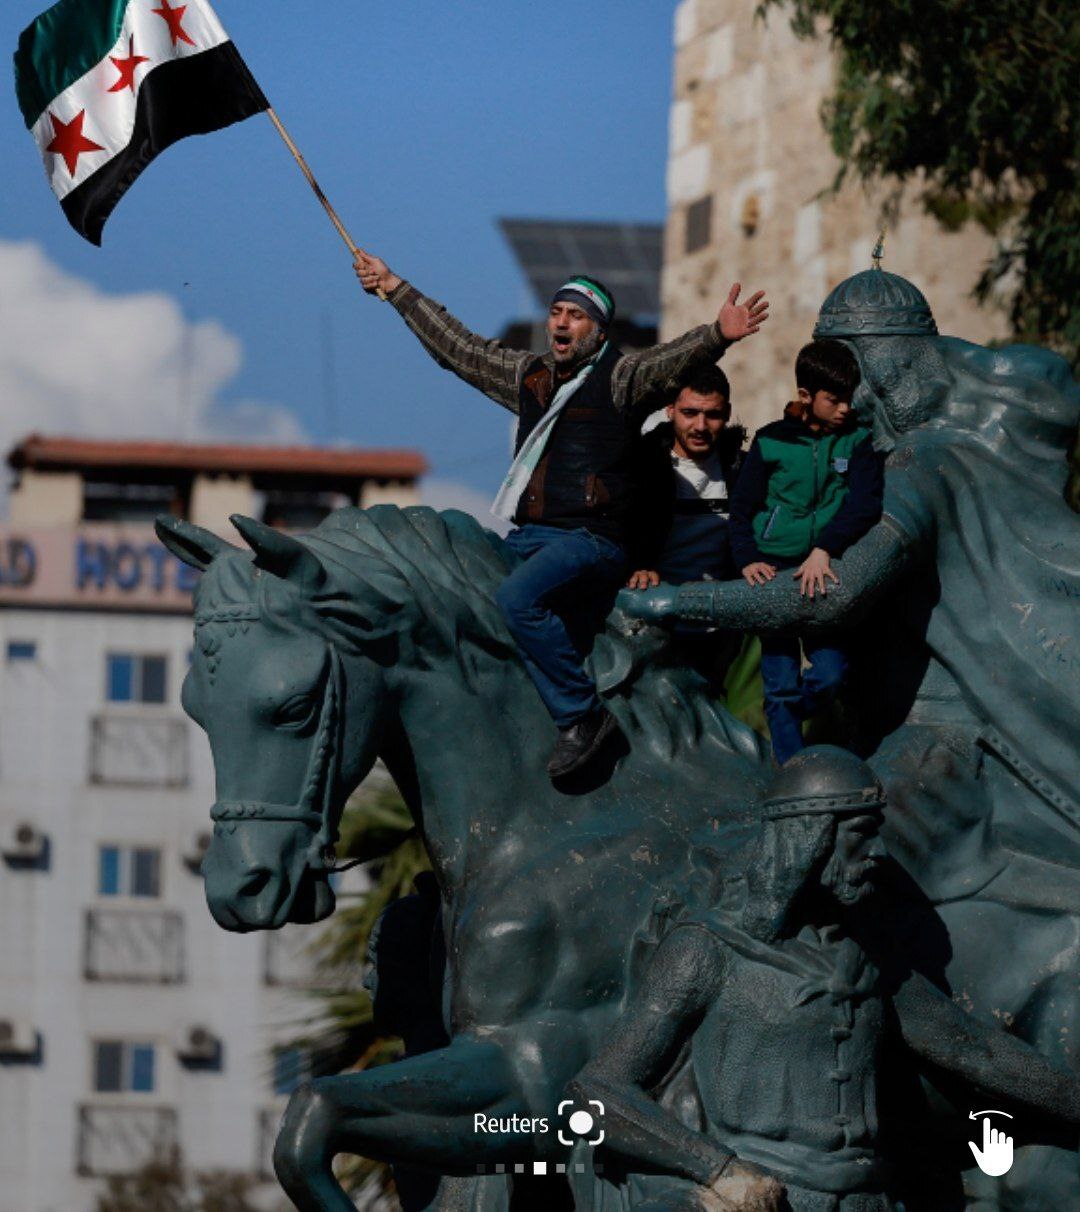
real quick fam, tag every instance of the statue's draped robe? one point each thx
(978, 493)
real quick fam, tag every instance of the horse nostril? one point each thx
(256, 881)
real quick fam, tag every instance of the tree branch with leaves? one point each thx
(977, 104)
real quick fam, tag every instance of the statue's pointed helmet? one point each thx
(875, 303)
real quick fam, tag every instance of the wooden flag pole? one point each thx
(351, 244)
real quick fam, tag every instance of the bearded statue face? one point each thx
(858, 852)
(904, 380)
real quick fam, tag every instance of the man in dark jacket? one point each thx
(687, 468)
(570, 488)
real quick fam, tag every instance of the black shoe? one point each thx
(579, 743)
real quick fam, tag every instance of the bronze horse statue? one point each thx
(377, 636)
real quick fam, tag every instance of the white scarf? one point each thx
(532, 449)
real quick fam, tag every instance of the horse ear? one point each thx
(280, 553)
(190, 543)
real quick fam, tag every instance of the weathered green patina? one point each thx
(377, 635)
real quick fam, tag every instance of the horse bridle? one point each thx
(321, 777)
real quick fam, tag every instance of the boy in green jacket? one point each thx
(811, 485)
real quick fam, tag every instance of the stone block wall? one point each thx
(748, 160)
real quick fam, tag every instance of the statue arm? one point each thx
(866, 572)
(997, 1063)
(673, 999)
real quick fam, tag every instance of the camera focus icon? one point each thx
(580, 1123)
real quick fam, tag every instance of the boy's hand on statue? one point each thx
(644, 578)
(812, 572)
(649, 604)
(745, 1188)
(759, 572)
(374, 274)
(737, 320)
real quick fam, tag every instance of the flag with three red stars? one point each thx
(105, 85)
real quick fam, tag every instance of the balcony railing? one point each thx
(142, 945)
(119, 1140)
(138, 750)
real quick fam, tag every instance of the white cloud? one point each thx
(449, 494)
(77, 361)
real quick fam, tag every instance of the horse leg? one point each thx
(416, 1112)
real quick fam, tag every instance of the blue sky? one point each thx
(424, 122)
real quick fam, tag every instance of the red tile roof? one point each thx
(72, 454)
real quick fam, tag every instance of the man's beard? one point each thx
(849, 883)
(581, 350)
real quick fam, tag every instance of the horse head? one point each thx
(288, 679)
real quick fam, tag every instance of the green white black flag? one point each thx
(105, 85)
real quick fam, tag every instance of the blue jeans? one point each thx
(555, 603)
(792, 696)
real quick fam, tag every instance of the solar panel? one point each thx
(625, 256)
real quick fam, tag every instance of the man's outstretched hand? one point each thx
(374, 275)
(737, 320)
(653, 605)
(644, 578)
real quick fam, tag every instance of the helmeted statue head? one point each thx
(875, 303)
(823, 780)
(820, 821)
(888, 323)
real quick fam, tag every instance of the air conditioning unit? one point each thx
(18, 1037)
(196, 850)
(198, 1044)
(23, 841)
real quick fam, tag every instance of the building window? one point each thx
(21, 650)
(292, 1067)
(123, 1067)
(300, 510)
(127, 502)
(129, 871)
(134, 679)
(699, 223)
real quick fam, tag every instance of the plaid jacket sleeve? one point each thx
(483, 364)
(639, 376)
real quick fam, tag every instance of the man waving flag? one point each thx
(105, 85)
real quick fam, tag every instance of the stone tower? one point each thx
(747, 161)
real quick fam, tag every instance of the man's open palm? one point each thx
(738, 320)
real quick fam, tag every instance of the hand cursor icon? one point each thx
(996, 1155)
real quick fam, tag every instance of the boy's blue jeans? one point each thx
(554, 603)
(791, 695)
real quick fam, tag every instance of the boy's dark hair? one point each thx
(827, 366)
(706, 381)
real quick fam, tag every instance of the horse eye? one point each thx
(294, 712)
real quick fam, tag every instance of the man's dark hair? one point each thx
(827, 366)
(706, 381)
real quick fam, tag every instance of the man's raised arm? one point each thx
(866, 571)
(639, 376)
(482, 363)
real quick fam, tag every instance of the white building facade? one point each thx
(129, 1022)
